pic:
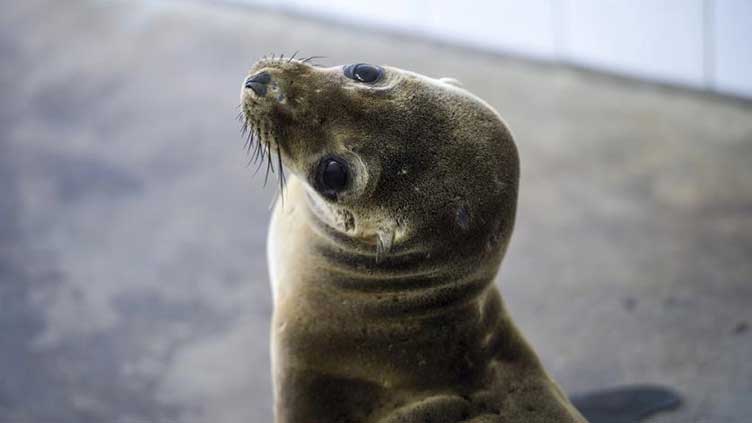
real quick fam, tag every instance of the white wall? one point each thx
(697, 43)
(731, 23)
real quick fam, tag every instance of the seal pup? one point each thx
(384, 248)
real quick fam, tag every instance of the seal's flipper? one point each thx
(628, 404)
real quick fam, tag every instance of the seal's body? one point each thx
(384, 249)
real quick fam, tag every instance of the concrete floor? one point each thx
(133, 284)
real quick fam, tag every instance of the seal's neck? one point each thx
(409, 280)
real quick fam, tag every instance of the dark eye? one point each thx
(363, 72)
(332, 176)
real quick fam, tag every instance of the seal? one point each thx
(384, 247)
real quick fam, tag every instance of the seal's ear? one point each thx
(451, 81)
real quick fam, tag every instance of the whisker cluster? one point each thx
(258, 140)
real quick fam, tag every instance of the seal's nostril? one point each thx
(257, 87)
(258, 82)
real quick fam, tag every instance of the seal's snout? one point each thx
(258, 83)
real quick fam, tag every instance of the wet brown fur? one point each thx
(385, 306)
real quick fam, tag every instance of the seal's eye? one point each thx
(332, 176)
(363, 72)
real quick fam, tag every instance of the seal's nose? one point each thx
(258, 83)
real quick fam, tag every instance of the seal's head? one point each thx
(389, 158)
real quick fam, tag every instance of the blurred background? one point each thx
(133, 282)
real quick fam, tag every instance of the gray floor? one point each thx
(133, 285)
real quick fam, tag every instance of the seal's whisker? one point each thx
(269, 158)
(309, 58)
(248, 135)
(252, 145)
(270, 161)
(260, 151)
(259, 158)
(249, 140)
(268, 168)
(281, 174)
(293, 56)
(243, 127)
(248, 143)
(257, 149)
(259, 165)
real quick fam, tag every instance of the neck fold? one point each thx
(410, 280)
